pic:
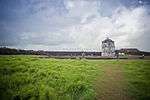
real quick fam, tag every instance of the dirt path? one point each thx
(111, 86)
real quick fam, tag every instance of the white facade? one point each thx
(108, 48)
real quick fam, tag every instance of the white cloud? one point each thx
(82, 24)
(126, 28)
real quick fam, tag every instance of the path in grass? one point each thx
(111, 86)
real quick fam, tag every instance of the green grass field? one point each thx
(33, 78)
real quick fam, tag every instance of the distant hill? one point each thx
(133, 51)
(10, 51)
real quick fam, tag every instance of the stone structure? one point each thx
(73, 53)
(108, 48)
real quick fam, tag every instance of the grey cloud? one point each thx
(9, 39)
(57, 24)
(47, 39)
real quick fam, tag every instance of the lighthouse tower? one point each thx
(108, 48)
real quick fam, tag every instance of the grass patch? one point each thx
(27, 77)
(30, 77)
(138, 76)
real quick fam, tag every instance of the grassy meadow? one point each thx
(32, 78)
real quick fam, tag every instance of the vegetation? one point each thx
(137, 74)
(33, 78)
(26, 77)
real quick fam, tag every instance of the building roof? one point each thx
(107, 40)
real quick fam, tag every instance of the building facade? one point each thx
(108, 48)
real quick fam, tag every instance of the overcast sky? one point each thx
(74, 24)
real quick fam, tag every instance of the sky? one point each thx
(74, 25)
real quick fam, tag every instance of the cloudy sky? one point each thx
(74, 24)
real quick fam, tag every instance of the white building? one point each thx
(108, 48)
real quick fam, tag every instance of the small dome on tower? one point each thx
(107, 40)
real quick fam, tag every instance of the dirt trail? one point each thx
(111, 86)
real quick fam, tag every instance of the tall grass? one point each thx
(26, 77)
(33, 78)
(138, 76)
